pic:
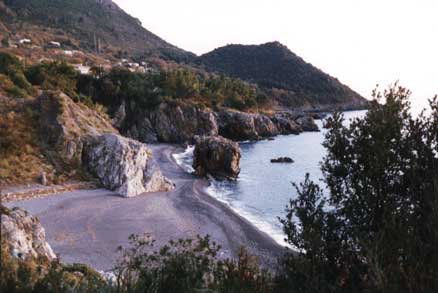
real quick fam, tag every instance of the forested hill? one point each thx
(90, 20)
(273, 65)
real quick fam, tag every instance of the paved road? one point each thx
(87, 226)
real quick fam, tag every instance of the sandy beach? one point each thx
(87, 226)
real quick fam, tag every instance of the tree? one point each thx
(377, 228)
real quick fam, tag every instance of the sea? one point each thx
(263, 189)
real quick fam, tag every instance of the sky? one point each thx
(361, 42)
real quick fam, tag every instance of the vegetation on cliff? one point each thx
(150, 89)
(26, 122)
(12, 79)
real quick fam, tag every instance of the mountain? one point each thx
(274, 66)
(92, 22)
(103, 27)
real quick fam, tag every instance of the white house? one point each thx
(25, 41)
(54, 44)
(82, 68)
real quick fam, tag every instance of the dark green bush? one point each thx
(54, 76)
(188, 266)
(377, 228)
(12, 67)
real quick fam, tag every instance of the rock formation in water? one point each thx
(217, 156)
(282, 160)
(241, 126)
(24, 235)
(237, 125)
(264, 126)
(124, 165)
(307, 123)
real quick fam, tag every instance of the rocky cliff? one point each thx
(172, 123)
(24, 235)
(241, 126)
(64, 125)
(217, 156)
(85, 139)
(180, 123)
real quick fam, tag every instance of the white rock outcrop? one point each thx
(24, 235)
(124, 165)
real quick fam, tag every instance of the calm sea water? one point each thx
(263, 189)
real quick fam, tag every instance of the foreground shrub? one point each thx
(41, 275)
(377, 228)
(188, 266)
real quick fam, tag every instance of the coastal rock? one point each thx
(264, 126)
(243, 126)
(171, 122)
(217, 156)
(178, 122)
(182, 123)
(282, 160)
(286, 124)
(124, 165)
(237, 126)
(24, 235)
(318, 115)
(307, 123)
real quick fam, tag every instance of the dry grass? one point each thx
(24, 154)
(21, 158)
(41, 36)
(80, 120)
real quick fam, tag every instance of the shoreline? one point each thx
(211, 189)
(87, 226)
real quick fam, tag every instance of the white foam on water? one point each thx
(223, 193)
(185, 159)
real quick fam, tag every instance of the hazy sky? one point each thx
(361, 42)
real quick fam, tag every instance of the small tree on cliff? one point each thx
(378, 227)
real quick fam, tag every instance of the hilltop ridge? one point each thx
(273, 66)
(109, 35)
(99, 25)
